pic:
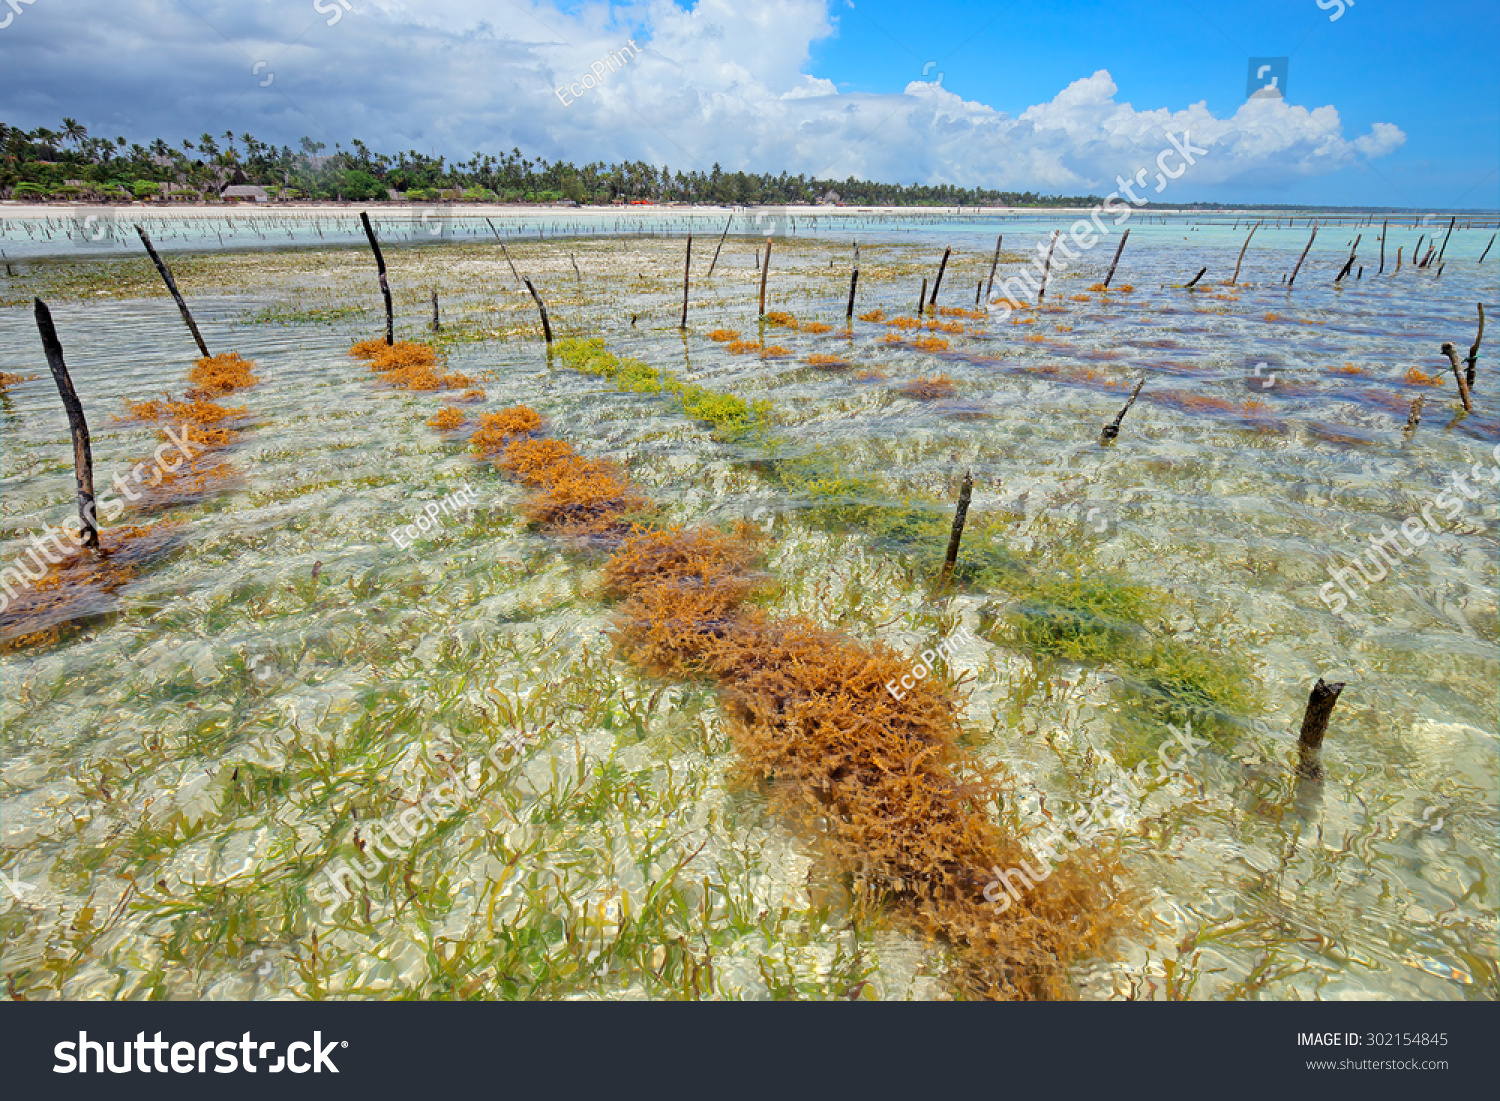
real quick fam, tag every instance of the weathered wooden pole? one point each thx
(83, 456)
(1398, 260)
(542, 309)
(687, 269)
(1303, 257)
(1416, 253)
(1197, 277)
(1383, 226)
(1473, 356)
(385, 286)
(1314, 727)
(1113, 263)
(1446, 236)
(993, 265)
(723, 235)
(1112, 430)
(853, 282)
(765, 270)
(1046, 269)
(166, 277)
(1486, 251)
(1235, 277)
(922, 297)
(941, 268)
(1458, 374)
(437, 324)
(956, 535)
(1350, 262)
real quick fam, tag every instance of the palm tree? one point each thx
(73, 131)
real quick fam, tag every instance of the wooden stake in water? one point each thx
(1197, 277)
(1473, 357)
(83, 456)
(687, 269)
(166, 277)
(1350, 262)
(437, 324)
(956, 535)
(993, 265)
(941, 268)
(922, 297)
(1241, 260)
(1446, 236)
(721, 245)
(1303, 257)
(1414, 417)
(853, 283)
(1458, 374)
(1046, 269)
(503, 253)
(1314, 727)
(385, 286)
(1112, 430)
(1486, 251)
(1113, 263)
(1383, 226)
(542, 309)
(765, 270)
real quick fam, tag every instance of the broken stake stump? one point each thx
(1414, 418)
(83, 456)
(1473, 357)
(1314, 726)
(166, 277)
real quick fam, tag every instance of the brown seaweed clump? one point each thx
(215, 376)
(498, 429)
(884, 784)
(78, 586)
(447, 419)
(928, 389)
(408, 366)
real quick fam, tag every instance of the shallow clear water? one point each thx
(178, 776)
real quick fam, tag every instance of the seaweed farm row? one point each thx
(494, 667)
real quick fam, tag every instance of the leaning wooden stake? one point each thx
(853, 282)
(1383, 226)
(385, 286)
(1197, 277)
(922, 297)
(1233, 278)
(1458, 374)
(1446, 236)
(687, 269)
(166, 277)
(1486, 251)
(1473, 357)
(542, 308)
(990, 290)
(941, 268)
(1350, 262)
(1314, 727)
(1303, 257)
(83, 456)
(723, 235)
(957, 534)
(1112, 429)
(1115, 262)
(1046, 269)
(765, 270)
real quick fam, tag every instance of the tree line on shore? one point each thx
(70, 164)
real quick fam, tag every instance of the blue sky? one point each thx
(1387, 104)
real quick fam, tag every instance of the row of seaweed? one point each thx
(883, 787)
(65, 587)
